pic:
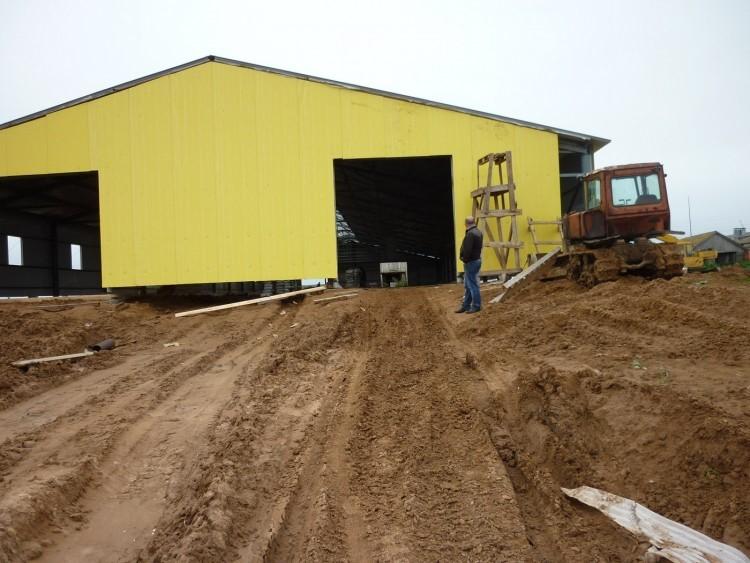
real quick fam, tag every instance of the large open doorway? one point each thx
(49, 235)
(392, 211)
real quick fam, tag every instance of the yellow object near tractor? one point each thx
(694, 260)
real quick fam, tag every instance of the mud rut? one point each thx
(369, 431)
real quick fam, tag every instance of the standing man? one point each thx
(471, 256)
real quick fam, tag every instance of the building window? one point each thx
(15, 251)
(75, 256)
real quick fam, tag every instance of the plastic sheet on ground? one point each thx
(669, 539)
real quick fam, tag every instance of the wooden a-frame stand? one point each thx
(498, 201)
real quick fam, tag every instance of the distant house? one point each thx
(729, 250)
(744, 242)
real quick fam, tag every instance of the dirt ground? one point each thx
(379, 428)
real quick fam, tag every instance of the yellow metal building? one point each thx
(223, 171)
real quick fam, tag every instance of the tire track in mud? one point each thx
(57, 411)
(119, 514)
(66, 455)
(68, 420)
(545, 513)
(236, 496)
(428, 478)
(336, 514)
(321, 520)
(46, 407)
(354, 442)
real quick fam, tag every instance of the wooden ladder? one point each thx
(489, 202)
(535, 237)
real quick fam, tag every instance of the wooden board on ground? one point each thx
(61, 298)
(530, 273)
(24, 363)
(343, 296)
(258, 301)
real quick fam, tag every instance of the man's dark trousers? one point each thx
(472, 298)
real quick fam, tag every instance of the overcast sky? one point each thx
(665, 80)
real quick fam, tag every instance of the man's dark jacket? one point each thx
(471, 247)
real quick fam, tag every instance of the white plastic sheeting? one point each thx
(669, 539)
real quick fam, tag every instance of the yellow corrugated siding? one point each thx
(222, 173)
(109, 120)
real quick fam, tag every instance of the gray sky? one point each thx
(665, 80)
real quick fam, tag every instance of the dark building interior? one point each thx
(395, 210)
(49, 235)
(576, 159)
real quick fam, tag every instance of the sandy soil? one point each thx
(383, 427)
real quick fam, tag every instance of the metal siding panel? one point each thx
(3, 155)
(279, 174)
(153, 182)
(109, 131)
(236, 174)
(464, 180)
(68, 146)
(536, 161)
(439, 131)
(194, 162)
(26, 148)
(320, 137)
(412, 137)
(363, 125)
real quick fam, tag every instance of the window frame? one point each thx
(586, 205)
(74, 246)
(20, 250)
(643, 181)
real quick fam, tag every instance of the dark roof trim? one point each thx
(596, 142)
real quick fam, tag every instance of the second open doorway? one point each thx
(394, 219)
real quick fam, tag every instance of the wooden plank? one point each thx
(250, 302)
(536, 269)
(503, 244)
(344, 296)
(488, 231)
(23, 363)
(59, 299)
(496, 189)
(501, 212)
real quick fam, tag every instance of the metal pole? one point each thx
(55, 266)
(690, 218)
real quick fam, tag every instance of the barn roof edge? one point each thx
(596, 142)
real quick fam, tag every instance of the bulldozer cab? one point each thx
(621, 202)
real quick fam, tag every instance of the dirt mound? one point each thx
(51, 329)
(685, 317)
(677, 455)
